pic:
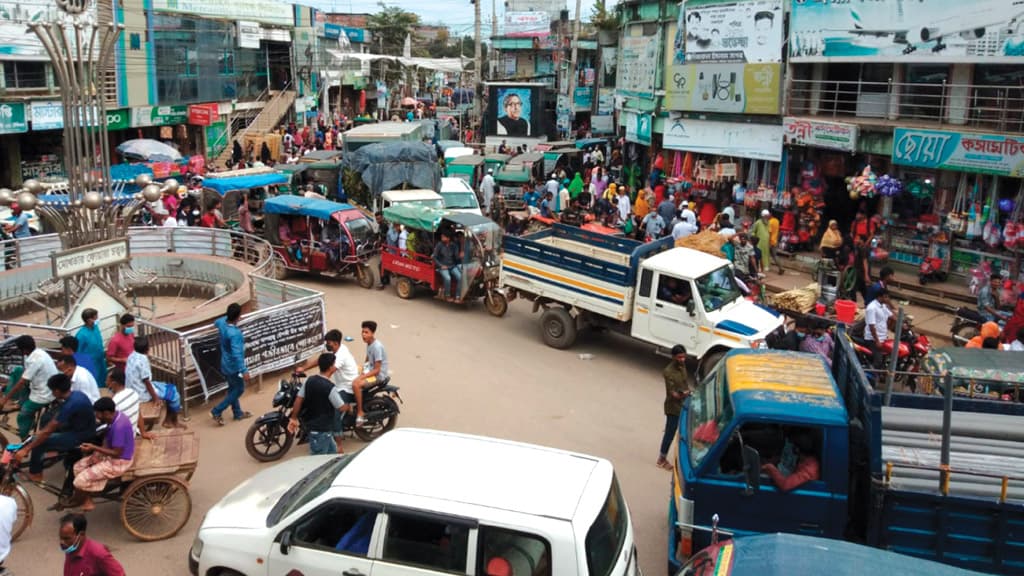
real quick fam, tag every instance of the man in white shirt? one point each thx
(8, 516)
(38, 369)
(552, 185)
(625, 206)
(346, 370)
(876, 325)
(725, 226)
(81, 379)
(487, 190)
(597, 156)
(126, 400)
(685, 227)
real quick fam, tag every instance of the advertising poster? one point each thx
(732, 31)
(515, 110)
(527, 24)
(963, 151)
(638, 127)
(609, 64)
(754, 141)
(606, 101)
(16, 43)
(638, 63)
(730, 88)
(939, 31)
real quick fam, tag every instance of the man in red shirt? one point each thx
(807, 468)
(84, 557)
(122, 343)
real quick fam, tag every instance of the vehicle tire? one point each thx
(964, 335)
(26, 511)
(405, 288)
(268, 441)
(709, 361)
(496, 303)
(372, 430)
(558, 328)
(366, 276)
(156, 508)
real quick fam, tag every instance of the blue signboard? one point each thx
(965, 151)
(334, 31)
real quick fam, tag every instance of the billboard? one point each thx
(16, 41)
(637, 65)
(731, 31)
(730, 88)
(964, 151)
(527, 24)
(516, 110)
(939, 31)
(755, 141)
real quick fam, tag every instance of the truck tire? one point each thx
(558, 328)
(709, 361)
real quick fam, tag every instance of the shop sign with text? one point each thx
(832, 135)
(745, 140)
(279, 13)
(158, 116)
(731, 88)
(962, 151)
(12, 118)
(638, 128)
(203, 114)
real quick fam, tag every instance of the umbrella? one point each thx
(146, 150)
(407, 101)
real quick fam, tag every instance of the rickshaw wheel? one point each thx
(404, 288)
(156, 508)
(367, 279)
(26, 512)
(496, 304)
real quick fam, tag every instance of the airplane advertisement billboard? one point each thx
(989, 31)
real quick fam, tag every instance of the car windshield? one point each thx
(437, 203)
(717, 289)
(710, 411)
(309, 487)
(607, 533)
(456, 200)
(361, 229)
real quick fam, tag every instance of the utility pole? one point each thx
(478, 65)
(572, 64)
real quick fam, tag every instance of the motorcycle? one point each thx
(966, 325)
(268, 438)
(913, 347)
(931, 268)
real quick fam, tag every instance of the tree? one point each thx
(392, 24)
(602, 18)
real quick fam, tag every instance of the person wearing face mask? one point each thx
(122, 343)
(82, 556)
(819, 342)
(793, 338)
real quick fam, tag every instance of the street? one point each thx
(459, 369)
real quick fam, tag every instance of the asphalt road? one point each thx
(459, 369)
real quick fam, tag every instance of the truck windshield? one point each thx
(709, 413)
(717, 288)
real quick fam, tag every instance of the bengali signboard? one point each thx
(274, 339)
(732, 88)
(745, 140)
(940, 31)
(47, 115)
(279, 13)
(962, 151)
(583, 98)
(99, 255)
(249, 34)
(158, 116)
(637, 65)
(732, 31)
(12, 118)
(203, 114)
(832, 135)
(527, 24)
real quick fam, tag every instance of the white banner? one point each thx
(249, 34)
(527, 24)
(755, 141)
(833, 135)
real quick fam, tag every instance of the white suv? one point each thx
(423, 502)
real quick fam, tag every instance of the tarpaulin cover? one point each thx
(414, 216)
(389, 165)
(302, 206)
(225, 185)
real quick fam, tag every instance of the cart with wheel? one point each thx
(154, 492)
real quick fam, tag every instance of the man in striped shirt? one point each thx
(126, 400)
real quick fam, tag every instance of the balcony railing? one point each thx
(999, 108)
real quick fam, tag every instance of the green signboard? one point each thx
(12, 118)
(158, 116)
(216, 139)
(118, 119)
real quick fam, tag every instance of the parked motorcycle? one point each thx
(268, 438)
(966, 325)
(931, 269)
(913, 347)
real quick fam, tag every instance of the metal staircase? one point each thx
(269, 117)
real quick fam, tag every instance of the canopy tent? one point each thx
(302, 206)
(225, 185)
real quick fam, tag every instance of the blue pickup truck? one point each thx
(923, 475)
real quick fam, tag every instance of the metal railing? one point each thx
(998, 108)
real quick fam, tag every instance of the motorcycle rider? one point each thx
(988, 300)
(318, 405)
(374, 369)
(346, 369)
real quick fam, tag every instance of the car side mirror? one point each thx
(690, 307)
(286, 541)
(751, 470)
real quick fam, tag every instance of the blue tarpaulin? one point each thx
(225, 185)
(302, 206)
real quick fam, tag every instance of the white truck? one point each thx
(652, 292)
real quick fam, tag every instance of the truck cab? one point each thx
(691, 298)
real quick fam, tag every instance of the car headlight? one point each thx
(197, 548)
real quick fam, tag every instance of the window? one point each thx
(427, 541)
(997, 98)
(674, 291)
(509, 552)
(25, 74)
(607, 533)
(717, 289)
(779, 444)
(343, 527)
(710, 412)
(306, 490)
(925, 93)
(646, 279)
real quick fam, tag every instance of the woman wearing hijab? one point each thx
(576, 186)
(642, 205)
(831, 241)
(611, 193)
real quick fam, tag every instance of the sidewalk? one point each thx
(928, 320)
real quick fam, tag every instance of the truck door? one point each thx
(673, 313)
(804, 509)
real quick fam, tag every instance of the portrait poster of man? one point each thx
(513, 112)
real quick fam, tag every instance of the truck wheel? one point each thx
(709, 361)
(558, 328)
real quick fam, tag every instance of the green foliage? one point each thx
(355, 189)
(602, 18)
(392, 24)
